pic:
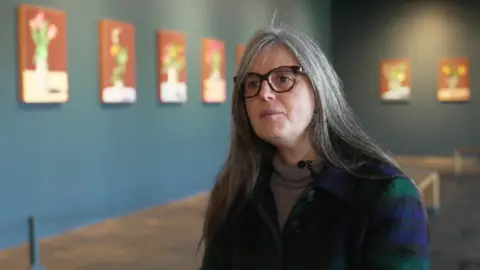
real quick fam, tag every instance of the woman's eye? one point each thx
(253, 84)
(284, 79)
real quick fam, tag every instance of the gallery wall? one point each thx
(81, 162)
(364, 34)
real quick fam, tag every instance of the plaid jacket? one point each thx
(340, 222)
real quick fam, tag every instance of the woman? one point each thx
(303, 186)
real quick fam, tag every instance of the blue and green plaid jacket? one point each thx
(340, 222)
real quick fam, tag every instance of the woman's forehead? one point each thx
(271, 57)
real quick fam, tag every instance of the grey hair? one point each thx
(336, 133)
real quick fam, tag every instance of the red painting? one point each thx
(239, 50)
(214, 87)
(395, 76)
(42, 55)
(172, 77)
(453, 80)
(117, 62)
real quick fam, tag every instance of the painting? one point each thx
(117, 62)
(395, 76)
(42, 55)
(172, 77)
(453, 80)
(239, 50)
(214, 88)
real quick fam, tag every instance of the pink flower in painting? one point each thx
(33, 24)
(213, 47)
(38, 20)
(42, 33)
(214, 56)
(52, 31)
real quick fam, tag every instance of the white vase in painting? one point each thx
(394, 85)
(396, 91)
(41, 74)
(452, 82)
(118, 84)
(215, 75)
(215, 87)
(119, 93)
(172, 76)
(173, 90)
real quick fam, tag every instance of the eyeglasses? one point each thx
(280, 79)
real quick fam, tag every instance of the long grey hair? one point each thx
(336, 134)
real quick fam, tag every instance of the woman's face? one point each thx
(281, 119)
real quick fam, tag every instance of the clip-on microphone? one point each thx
(307, 164)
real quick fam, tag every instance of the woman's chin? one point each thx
(275, 136)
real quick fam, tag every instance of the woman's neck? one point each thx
(292, 155)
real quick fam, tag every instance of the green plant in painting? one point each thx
(214, 56)
(120, 55)
(398, 73)
(172, 58)
(42, 33)
(216, 60)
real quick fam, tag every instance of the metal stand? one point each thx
(32, 241)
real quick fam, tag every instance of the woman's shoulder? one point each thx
(397, 222)
(386, 187)
(401, 186)
(393, 195)
(395, 182)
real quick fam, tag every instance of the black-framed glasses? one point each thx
(280, 79)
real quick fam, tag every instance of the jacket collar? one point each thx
(331, 179)
(334, 180)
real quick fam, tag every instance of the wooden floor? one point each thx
(164, 237)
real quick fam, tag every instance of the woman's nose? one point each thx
(266, 91)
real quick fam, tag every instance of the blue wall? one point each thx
(81, 162)
(364, 33)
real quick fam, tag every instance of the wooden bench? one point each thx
(465, 156)
(428, 183)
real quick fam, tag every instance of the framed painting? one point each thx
(454, 80)
(395, 80)
(42, 55)
(171, 59)
(239, 50)
(214, 87)
(117, 62)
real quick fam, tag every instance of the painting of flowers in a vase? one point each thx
(117, 62)
(172, 75)
(453, 80)
(395, 80)
(214, 88)
(239, 50)
(42, 48)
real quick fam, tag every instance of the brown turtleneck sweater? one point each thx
(287, 183)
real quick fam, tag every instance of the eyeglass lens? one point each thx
(280, 80)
